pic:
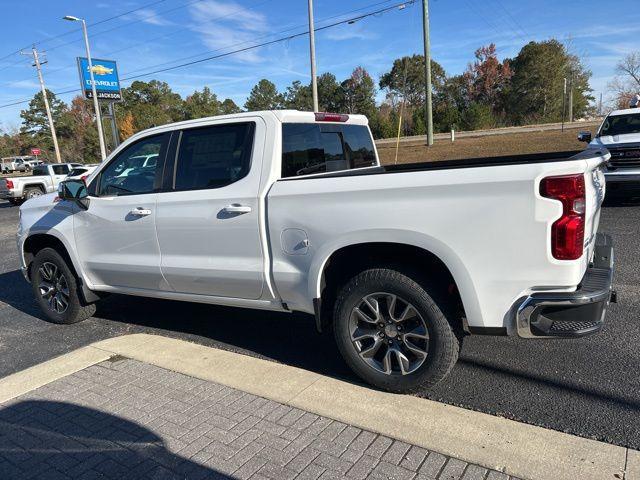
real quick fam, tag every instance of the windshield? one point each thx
(621, 124)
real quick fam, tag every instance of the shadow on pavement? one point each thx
(289, 338)
(15, 291)
(49, 439)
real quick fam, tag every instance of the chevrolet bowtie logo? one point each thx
(101, 70)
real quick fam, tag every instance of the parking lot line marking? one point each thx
(34, 377)
(515, 448)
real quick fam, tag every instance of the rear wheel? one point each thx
(56, 289)
(32, 192)
(392, 333)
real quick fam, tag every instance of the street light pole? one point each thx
(427, 71)
(312, 47)
(96, 104)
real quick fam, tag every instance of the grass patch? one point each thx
(485, 146)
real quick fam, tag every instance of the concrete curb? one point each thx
(515, 448)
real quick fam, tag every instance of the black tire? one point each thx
(76, 309)
(442, 345)
(32, 192)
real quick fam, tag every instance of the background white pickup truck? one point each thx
(619, 133)
(292, 211)
(44, 179)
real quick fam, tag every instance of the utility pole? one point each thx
(427, 72)
(571, 99)
(312, 47)
(600, 105)
(564, 97)
(38, 65)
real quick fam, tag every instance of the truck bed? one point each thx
(464, 163)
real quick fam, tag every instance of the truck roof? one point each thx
(626, 111)
(284, 116)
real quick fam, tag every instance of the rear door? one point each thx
(208, 217)
(116, 235)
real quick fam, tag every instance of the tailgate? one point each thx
(4, 191)
(595, 193)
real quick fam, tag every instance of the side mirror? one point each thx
(75, 191)
(584, 137)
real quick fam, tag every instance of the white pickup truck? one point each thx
(43, 179)
(291, 211)
(619, 133)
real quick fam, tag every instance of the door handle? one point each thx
(140, 212)
(237, 208)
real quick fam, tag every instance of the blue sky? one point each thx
(169, 30)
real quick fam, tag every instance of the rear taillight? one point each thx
(567, 233)
(331, 117)
(9, 184)
(84, 178)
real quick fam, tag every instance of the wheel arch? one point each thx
(345, 260)
(38, 241)
(40, 186)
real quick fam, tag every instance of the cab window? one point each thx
(133, 171)
(60, 169)
(309, 148)
(214, 157)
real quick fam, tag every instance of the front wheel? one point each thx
(56, 289)
(392, 333)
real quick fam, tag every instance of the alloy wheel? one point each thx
(389, 334)
(53, 287)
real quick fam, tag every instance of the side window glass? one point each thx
(60, 169)
(133, 171)
(213, 157)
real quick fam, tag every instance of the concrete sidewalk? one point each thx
(145, 406)
(126, 419)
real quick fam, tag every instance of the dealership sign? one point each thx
(105, 75)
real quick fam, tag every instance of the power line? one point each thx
(260, 37)
(325, 19)
(278, 40)
(39, 42)
(117, 27)
(514, 20)
(146, 41)
(241, 50)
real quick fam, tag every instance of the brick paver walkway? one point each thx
(126, 419)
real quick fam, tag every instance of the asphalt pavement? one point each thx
(588, 387)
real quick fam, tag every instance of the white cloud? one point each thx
(227, 26)
(149, 16)
(24, 84)
(350, 32)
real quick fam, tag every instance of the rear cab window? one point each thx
(309, 148)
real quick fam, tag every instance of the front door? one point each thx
(116, 236)
(208, 222)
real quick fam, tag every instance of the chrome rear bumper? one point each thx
(571, 314)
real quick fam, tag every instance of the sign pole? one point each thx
(96, 104)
